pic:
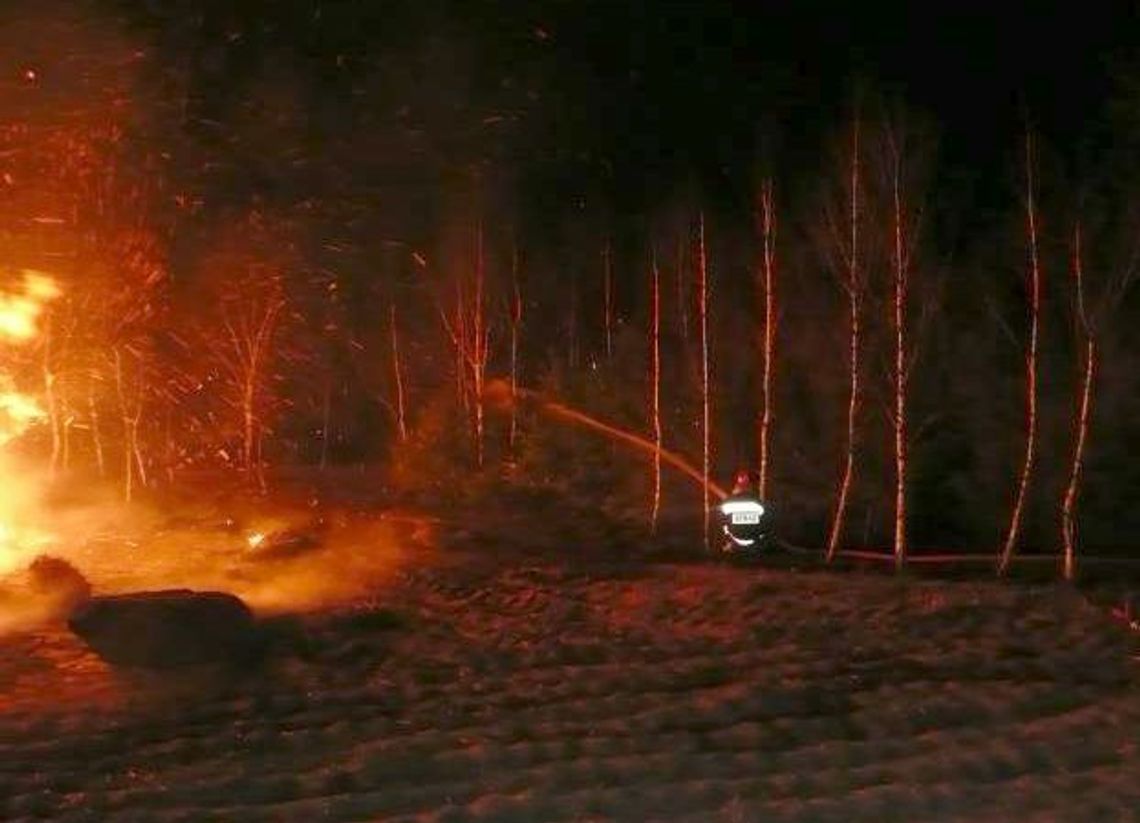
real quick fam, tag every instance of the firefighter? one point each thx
(742, 513)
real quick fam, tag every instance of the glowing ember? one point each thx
(255, 539)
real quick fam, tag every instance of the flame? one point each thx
(17, 411)
(20, 313)
(19, 542)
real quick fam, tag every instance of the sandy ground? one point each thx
(535, 691)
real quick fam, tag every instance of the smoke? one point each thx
(53, 589)
(20, 541)
(347, 563)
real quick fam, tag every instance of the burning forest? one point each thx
(540, 412)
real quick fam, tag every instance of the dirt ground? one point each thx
(536, 690)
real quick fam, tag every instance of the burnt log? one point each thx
(164, 629)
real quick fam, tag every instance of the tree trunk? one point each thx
(1072, 490)
(171, 448)
(128, 450)
(68, 420)
(52, 401)
(703, 300)
(854, 292)
(1017, 514)
(249, 422)
(655, 406)
(682, 292)
(768, 229)
(899, 301)
(516, 323)
(607, 300)
(326, 414)
(1084, 414)
(136, 450)
(572, 324)
(479, 347)
(397, 370)
(96, 433)
(128, 462)
(836, 534)
(460, 335)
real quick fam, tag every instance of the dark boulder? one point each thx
(59, 587)
(163, 629)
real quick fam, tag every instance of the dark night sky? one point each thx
(626, 100)
(710, 79)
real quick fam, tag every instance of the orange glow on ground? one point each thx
(121, 549)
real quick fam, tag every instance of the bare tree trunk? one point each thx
(96, 433)
(572, 324)
(655, 407)
(249, 420)
(471, 337)
(171, 448)
(128, 433)
(52, 400)
(398, 372)
(899, 301)
(854, 293)
(1068, 509)
(703, 300)
(768, 229)
(479, 349)
(326, 415)
(607, 299)
(460, 336)
(682, 292)
(68, 420)
(516, 323)
(1084, 414)
(1030, 368)
(128, 461)
(136, 447)
(259, 462)
(246, 361)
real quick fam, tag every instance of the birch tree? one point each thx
(904, 161)
(516, 315)
(244, 349)
(655, 385)
(1093, 310)
(397, 374)
(1013, 531)
(767, 287)
(846, 239)
(706, 418)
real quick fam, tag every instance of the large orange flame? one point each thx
(20, 313)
